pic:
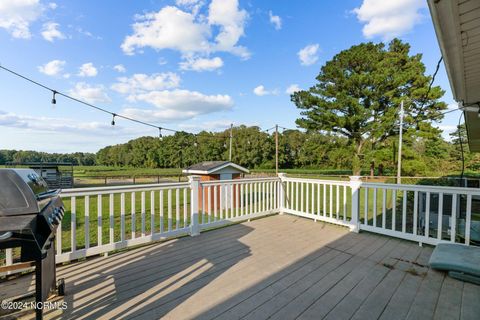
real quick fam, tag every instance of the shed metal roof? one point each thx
(210, 167)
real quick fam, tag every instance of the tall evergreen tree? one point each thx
(359, 91)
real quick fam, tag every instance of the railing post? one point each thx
(281, 193)
(194, 189)
(355, 183)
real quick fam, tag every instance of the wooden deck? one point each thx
(280, 267)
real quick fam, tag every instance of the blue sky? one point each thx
(184, 64)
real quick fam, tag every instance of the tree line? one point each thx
(423, 154)
(22, 156)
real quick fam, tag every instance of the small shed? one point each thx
(56, 174)
(216, 170)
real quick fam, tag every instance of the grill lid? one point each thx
(19, 191)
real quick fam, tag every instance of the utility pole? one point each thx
(276, 149)
(231, 136)
(399, 167)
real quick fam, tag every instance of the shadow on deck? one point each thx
(281, 267)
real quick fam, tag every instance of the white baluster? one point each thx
(73, 223)
(99, 220)
(415, 212)
(160, 201)
(143, 212)
(152, 212)
(185, 208)
(111, 208)
(440, 216)
(453, 222)
(169, 208)
(177, 208)
(87, 222)
(122, 216)
(468, 219)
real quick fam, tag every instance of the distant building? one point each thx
(58, 175)
(215, 170)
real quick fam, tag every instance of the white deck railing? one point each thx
(427, 214)
(105, 219)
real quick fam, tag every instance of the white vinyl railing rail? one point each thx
(427, 214)
(222, 202)
(104, 219)
(323, 200)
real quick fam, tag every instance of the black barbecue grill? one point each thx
(29, 216)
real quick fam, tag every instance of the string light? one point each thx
(160, 133)
(54, 101)
(113, 119)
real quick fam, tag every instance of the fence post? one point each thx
(355, 183)
(281, 193)
(194, 189)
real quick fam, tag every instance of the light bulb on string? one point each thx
(113, 119)
(160, 136)
(54, 101)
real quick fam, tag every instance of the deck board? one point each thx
(281, 267)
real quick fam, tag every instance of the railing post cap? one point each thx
(194, 178)
(355, 178)
(281, 174)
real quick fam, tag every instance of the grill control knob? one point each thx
(56, 220)
(58, 212)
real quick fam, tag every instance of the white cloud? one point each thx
(261, 91)
(50, 31)
(186, 101)
(87, 70)
(275, 20)
(162, 61)
(227, 15)
(17, 15)
(52, 68)
(187, 2)
(389, 19)
(214, 125)
(309, 54)
(177, 105)
(292, 88)
(52, 5)
(173, 28)
(139, 83)
(160, 90)
(192, 5)
(120, 68)
(90, 93)
(452, 106)
(169, 28)
(446, 130)
(201, 64)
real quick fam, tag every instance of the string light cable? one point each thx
(56, 93)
